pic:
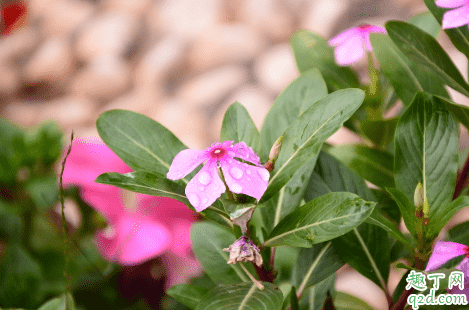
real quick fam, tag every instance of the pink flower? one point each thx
(445, 251)
(350, 43)
(457, 17)
(137, 232)
(207, 185)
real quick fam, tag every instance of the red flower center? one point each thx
(364, 26)
(217, 153)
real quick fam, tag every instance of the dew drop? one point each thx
(205, 201)
(194, 200)
(264, 174)
(236, 172)
(236, 188)
(230, 161)
(201, 188)
(205, 178)
(248, 171)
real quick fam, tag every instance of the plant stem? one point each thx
(259, 284)
(461, 179)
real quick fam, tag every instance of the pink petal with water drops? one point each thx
(345, 36)
(241, 150)
(450, 4)
(456, 18)
(205, 187)
(443, 252)
(245, 179)
(349, 51)
(185, 162)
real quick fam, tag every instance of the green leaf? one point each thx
(407, 209)
(460, 112)
(13, 152)
(315, 264)
(427, 22)
(208, 241)
(242, 296)
(458, 36)
(189, 295)
(294, 300)
(380, 132)
(423, 49)
(65, 302)
(459, 233)
(301, 94)
(44, 144)
(139, 141)
(43, 191)
(312, 51)
(303, 139)
(444, 213)
(316, 295)
(426, 145)
(321, 219)
(238, 126)
(344, 301)
(373, 165)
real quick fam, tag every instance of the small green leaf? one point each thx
(380, 132)
(43, 191)
(321, 219)
(242, 296)
(407, 209)
(460, 112)
(440, 216)
(344, 301)
(189, 295)
(238, 126)
(459, 233)
(64, 302)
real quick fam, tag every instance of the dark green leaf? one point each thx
(459, 233)
(312, 51)
(294, 300)
(427, 22)
(303, 139)
(187, 294)
(238, 126)
(373, 165)
(426, 146)
(65, 302)
(344, 301)
(44, 143)
(380, 132)
(423, 49)
(321, 219)
(407, 209)
(43, 191)
(444, 213)
(460, 112)
(316, 295)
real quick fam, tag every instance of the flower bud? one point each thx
(419, 198)
(274, 152)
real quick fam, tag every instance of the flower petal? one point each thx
(184, 162)
(366, 36)
(241, 150)
(450, 4)
(205, 187)
(443, 252)
(244, 178)
(349, 51)
(344, 36)
(456, 18)
(107, 201)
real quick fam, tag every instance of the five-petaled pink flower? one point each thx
(445, 251)
(207, 185)
(457, 17)
(350, 44)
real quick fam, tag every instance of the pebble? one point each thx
(24, 113)
(322, 15)
(138, 100)
(10, 79)
(69, 111)
(19, 43)
(133, 7)
(344, 136)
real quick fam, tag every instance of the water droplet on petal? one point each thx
(230, 161)
(236, 188)
(204, 178)
(248, 171)
(236, 172)
(232, 154)
(248, 178)
(264, 174)
(201, 188)
(194, 200)
(205, 200)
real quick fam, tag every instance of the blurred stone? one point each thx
(187, 18)
(69, 111)
(322, 15)
(139, 100)
(155, 64)
(64, 16)
(106, 77)
(23, 113)
(19, 43)
(134, 7)
(110, 32)
(225, 44)
(210, 87)
(256, 101)
(344, 136)
(52, 61)
(276, 68)
(183, 121)
(9, 80)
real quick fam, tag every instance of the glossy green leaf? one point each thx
(303, 139)
(441, 215)
(139, 141)
(373, 165)
(460, 112)
(380, 132)
(242, 296)
(208, 241)
(427, 22)
(344, 301)
(189, 295)
(426, 145)
(64, 302)
(301, 94)
(315, 264)
(459, 233)
(458, 36)
(315, 296)
(407, 209)
(321, 219)
(423, 49)
(312, 51)
(238, 126)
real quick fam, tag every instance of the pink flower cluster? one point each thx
(149, 227)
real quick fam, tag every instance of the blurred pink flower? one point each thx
(457, 17)
(152, 226)
(351, 43)
(207, 186)
(445, 251)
